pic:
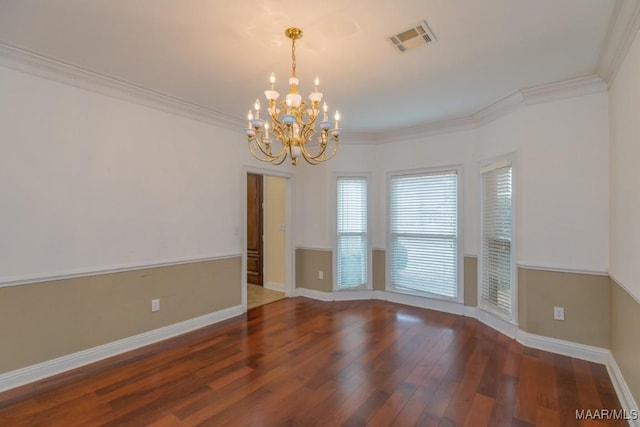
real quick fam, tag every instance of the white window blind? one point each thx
(496, 251)
(352, 232)
(424, 233)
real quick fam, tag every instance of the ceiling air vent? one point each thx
(415, 36)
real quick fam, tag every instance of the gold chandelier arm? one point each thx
(327, 151)
(259, 142)
(308, 130)
(316, 160)
(333, 152)
(311, 118)
(279, 131)
(323, 145)
(260, 154)
(253, 142)
(307, 154)
(277, 124)
(265, 157)
(279, 161)
(283, 151)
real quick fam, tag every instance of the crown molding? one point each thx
(622, 30)
(578, 86)
(565, 89)
(360, 138)
(29, 62)
(51, 69)
(430, 128)
(424, 129)
(498, 109)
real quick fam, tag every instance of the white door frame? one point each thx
(289, 247)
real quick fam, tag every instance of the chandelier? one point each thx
(289, 128)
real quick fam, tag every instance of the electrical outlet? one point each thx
(321, 275)
(155, 304)
(558, 313)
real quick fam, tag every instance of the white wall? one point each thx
(624, 99)
(311, 195)
(561, 174)
(314, 194)
(355, 159)
(90, 182)
(561, 152)
(452, 149)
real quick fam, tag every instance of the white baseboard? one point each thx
(625, 397)
(428, 303)
(380, 295)
(347, 295)
(71, 361)
(364, 294)
(274, 286)
(399, 298)
(310, 293)
(502, 326)
(566, 348)
(353, 295)
(469, 311)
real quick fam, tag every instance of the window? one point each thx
(424, 245)
(352, 243)
(496, 259)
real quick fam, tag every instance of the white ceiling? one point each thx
(219, 54)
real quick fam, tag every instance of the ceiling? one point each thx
(219, 54)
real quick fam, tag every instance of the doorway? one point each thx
(267, 239)
(255, 229)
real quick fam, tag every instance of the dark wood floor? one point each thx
(301, 362)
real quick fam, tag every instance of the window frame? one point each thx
(487, 166)
(459, 170)
(368, 285)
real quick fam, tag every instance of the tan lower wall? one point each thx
(43, 321)
(585, 298)
(625, 336)
(378, 268)
(470, 281)
(308, 263)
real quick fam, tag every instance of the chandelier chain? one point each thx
(293, 57)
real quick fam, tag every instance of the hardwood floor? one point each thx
(299, 362)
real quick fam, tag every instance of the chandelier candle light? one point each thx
(290, 126)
